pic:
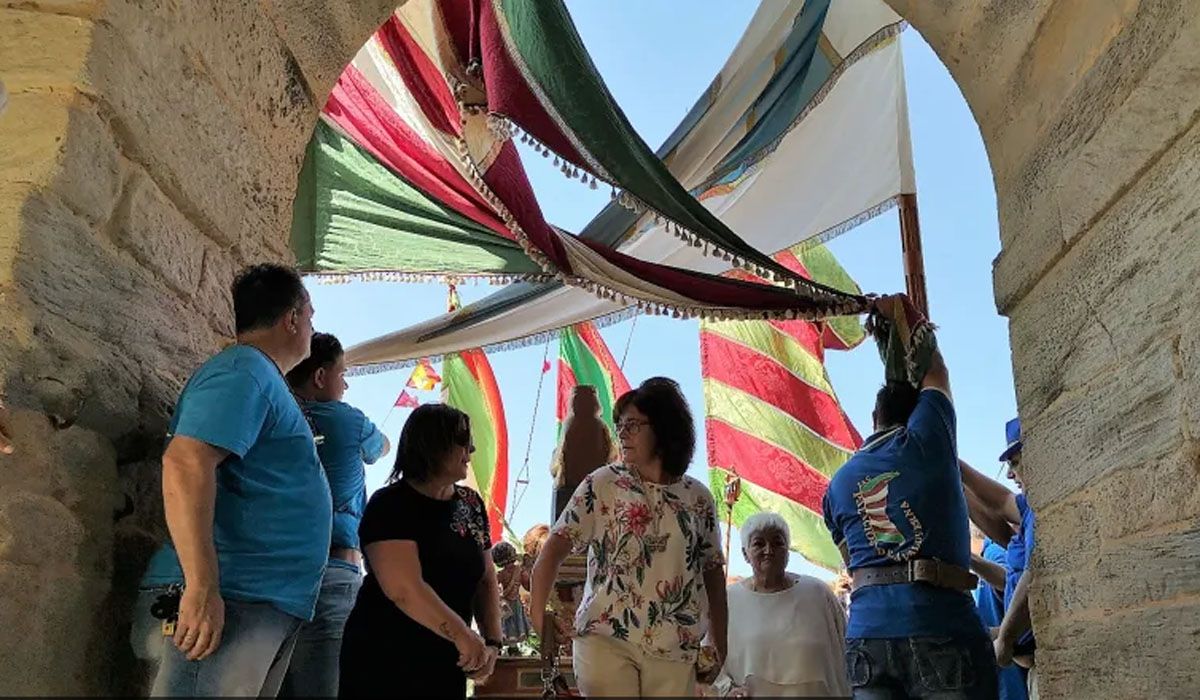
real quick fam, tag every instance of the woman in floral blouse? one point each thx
(656, 580)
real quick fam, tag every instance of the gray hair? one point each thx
(764, 521)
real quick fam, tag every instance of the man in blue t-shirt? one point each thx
(347, 440)
(246, 503)
(897, 512)
(1007, 518)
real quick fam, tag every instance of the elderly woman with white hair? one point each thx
(788, 631)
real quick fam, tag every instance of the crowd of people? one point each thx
(261, 591)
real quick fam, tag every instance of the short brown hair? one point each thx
(661, 401)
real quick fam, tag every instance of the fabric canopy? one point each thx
(801, 136)
(442, 129)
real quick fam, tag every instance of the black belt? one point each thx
(931, 571)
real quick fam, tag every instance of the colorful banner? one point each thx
(772, 417)
(584, 358)
(470, 386)
(424, 377)
(406, 400)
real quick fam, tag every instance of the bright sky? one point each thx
(657, 60)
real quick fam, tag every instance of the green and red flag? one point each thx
(584, 358)
(772, 417)
(469, 385)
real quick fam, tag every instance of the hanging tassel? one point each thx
(593, 184)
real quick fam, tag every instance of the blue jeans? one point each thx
(256, 645)
(922, 668)
(313, 671)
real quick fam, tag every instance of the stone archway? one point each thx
(150, 147)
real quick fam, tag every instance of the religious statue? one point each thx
(587, 444)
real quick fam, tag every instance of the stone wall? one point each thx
(1090, 113)
(150, 148)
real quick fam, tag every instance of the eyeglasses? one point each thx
(632, 427)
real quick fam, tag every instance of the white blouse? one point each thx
(786, 644)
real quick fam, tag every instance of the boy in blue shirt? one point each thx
(347, 441)
(246, 503)
(897, 512)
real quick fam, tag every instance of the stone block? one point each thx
(41, 51)
(1127, 572)
(238, 47)
(32, 130)
(1115, 422)
(1136, 263)
(215, 300)
(84, 9)
(1140, 653)
(1151, 496)
(172, 119)
(33, 526)
(1141, 97)
(63, 144)
(90, 169)
(161, 238)
(324, 35)
(49, 652)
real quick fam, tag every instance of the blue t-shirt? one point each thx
(1020, 547)
(273, 514)
(899, 498)
(350, 441)
(990, 605)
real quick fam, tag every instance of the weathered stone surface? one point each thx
(170, 117)
(1141, 98)
(1138, 654)
(85, 9)
(323, 35)
(215, 299)
(1130, 275)
(39, 51)
(161, 238)
(1084, 434)
(55, 558)
(269, 92)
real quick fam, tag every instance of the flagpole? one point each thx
(914, 257)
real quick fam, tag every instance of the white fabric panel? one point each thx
(851, 22)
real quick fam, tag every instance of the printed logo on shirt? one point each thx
(883, 534)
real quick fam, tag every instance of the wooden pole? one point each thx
(914, 258)
(733, 491)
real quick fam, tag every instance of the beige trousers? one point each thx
(607, 667)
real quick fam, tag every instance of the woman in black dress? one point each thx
(429, 571)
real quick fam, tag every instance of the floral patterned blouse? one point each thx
(648, 548)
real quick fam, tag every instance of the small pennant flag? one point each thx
(545, 366)
(406, 400)
(453, 303)
(424, 377)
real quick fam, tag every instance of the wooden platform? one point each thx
(520, 677)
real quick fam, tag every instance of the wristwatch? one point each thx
(493, 643)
